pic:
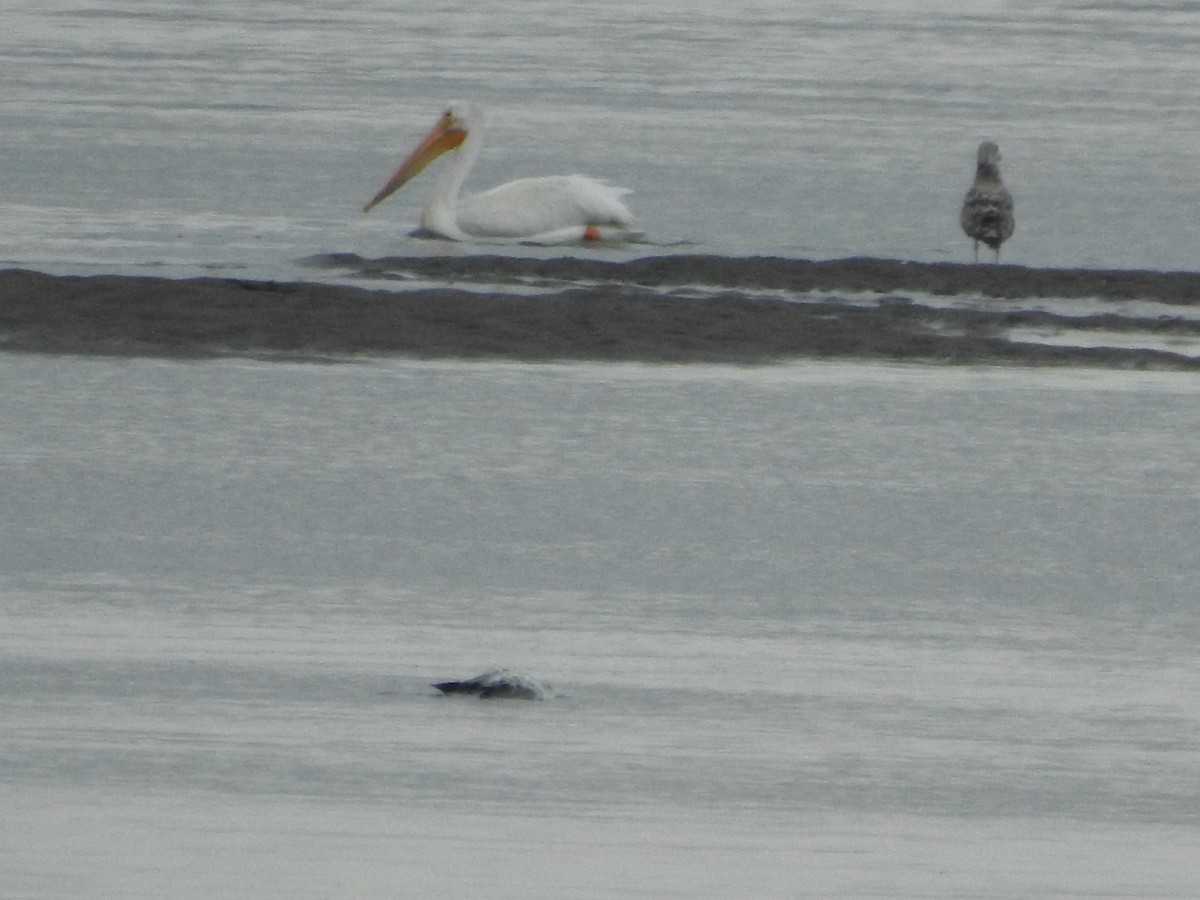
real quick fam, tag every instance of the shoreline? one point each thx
(588, 309)
(852, 274)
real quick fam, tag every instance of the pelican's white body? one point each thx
(533, 209)
(555, 209)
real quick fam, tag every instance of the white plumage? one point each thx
(551, 210)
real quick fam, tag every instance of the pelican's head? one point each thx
(448, 134)
(988, 155)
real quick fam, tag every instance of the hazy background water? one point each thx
(817, 630)
(239, 137)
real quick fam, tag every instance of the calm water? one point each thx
(821, 630)
(236, 138)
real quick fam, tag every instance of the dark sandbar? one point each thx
(588, 310)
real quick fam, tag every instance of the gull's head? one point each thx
(452, 128)
(988, 155)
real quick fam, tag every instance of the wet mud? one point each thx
(750, 310)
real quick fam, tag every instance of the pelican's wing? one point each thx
(536, 206)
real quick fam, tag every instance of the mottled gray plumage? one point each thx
(987, 211)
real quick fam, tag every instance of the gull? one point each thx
(987, 210)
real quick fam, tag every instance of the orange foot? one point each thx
(592, 233)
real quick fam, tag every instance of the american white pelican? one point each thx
(554, 210)
(987, 211)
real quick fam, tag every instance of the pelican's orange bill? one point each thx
(444, 137)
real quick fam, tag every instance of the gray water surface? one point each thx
(237, 139)
(814, 630)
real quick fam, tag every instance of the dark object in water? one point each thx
(495, 684)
